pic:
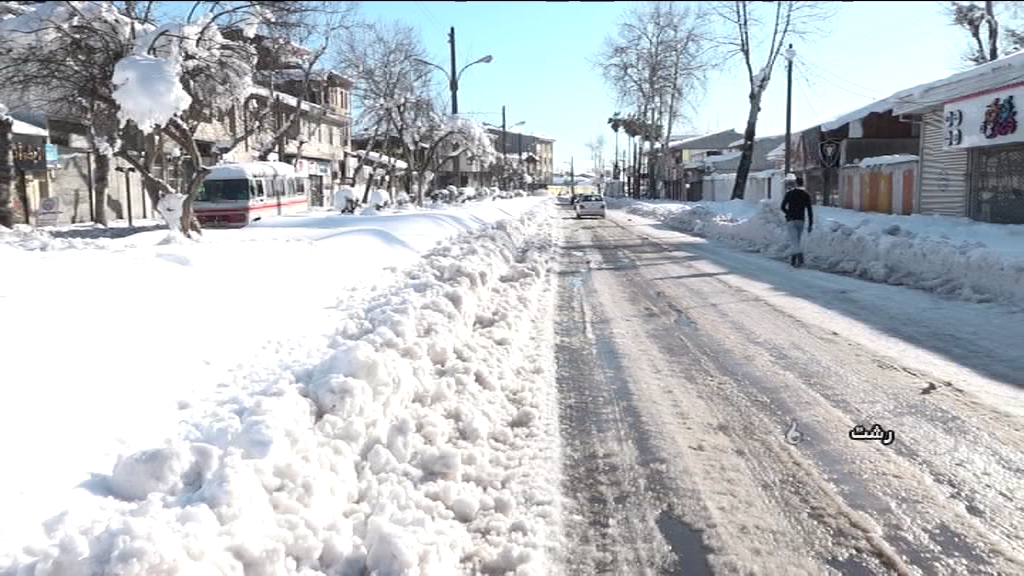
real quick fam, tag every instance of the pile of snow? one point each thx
(343, 196)
(954, 257)
(418, 437)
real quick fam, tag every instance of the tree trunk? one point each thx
(102, 175)
(993, 31)
(6, 172)
(747, 157)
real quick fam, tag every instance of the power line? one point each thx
(903, 41)
(808, 100)
(896, 27)
(822, 69)
(848, 91)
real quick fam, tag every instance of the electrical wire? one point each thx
(847, 90)
(895, 27)
(808, 100)
(822, 70)
(886, 47)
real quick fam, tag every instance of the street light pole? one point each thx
(790, 54)
(453, 79)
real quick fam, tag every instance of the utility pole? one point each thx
(790, 54)
(453, 85)
(572, 176)
(504, 155)
(504, 132)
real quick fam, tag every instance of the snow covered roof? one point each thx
(878, 106)
(243, 170)
(758, 139)
(885, 160)
(718, 158)
(382, 158)
(287, 99)
(993, 74)
(27, 129)
(777, 153)
(713, 141)
(297, 74)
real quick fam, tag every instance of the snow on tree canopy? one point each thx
(219, 70)
(244, 170)
(39, 26)
(148, 91)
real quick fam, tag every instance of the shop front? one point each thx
(320, 183)
(986, 126)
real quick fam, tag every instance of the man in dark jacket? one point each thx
(794, 204)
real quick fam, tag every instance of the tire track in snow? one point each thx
(611, 473)
(752, 389)
(971, 451)
(761, 514)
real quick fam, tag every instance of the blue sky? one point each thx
(541, 71)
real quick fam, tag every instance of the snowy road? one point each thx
(682, 365)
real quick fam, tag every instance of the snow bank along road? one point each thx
(682, 366)
(417, 437)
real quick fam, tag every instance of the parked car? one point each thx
(590, 205)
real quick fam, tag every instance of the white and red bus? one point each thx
(234, 195)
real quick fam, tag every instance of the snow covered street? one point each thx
(494, 388)
(682, 367)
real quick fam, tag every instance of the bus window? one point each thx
(223, 190)
(290, 186)
(278, 187)
(258, 190)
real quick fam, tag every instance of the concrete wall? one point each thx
(760, 186)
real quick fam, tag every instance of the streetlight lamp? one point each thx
(790, 55)
(453, 84)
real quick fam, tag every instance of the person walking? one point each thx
(794, 204)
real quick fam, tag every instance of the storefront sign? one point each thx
(29, 152)
(983, 120)
(828, 153)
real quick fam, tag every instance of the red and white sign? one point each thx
(983, 120)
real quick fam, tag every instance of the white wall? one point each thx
(718, 188)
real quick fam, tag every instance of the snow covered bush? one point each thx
(345, 199)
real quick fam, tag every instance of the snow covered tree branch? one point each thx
(988, 25)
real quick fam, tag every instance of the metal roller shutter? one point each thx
(943, 171)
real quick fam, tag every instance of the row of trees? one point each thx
(145, 76)
(400, 107)
(659, 58)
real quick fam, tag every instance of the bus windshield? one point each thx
(219, 190)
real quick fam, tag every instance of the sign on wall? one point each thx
(28, 152)
(984, 120)
(828, 153)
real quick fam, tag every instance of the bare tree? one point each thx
(385, 59)
(757, 33)
(656, 64)
(987, 24)
(596, 147)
